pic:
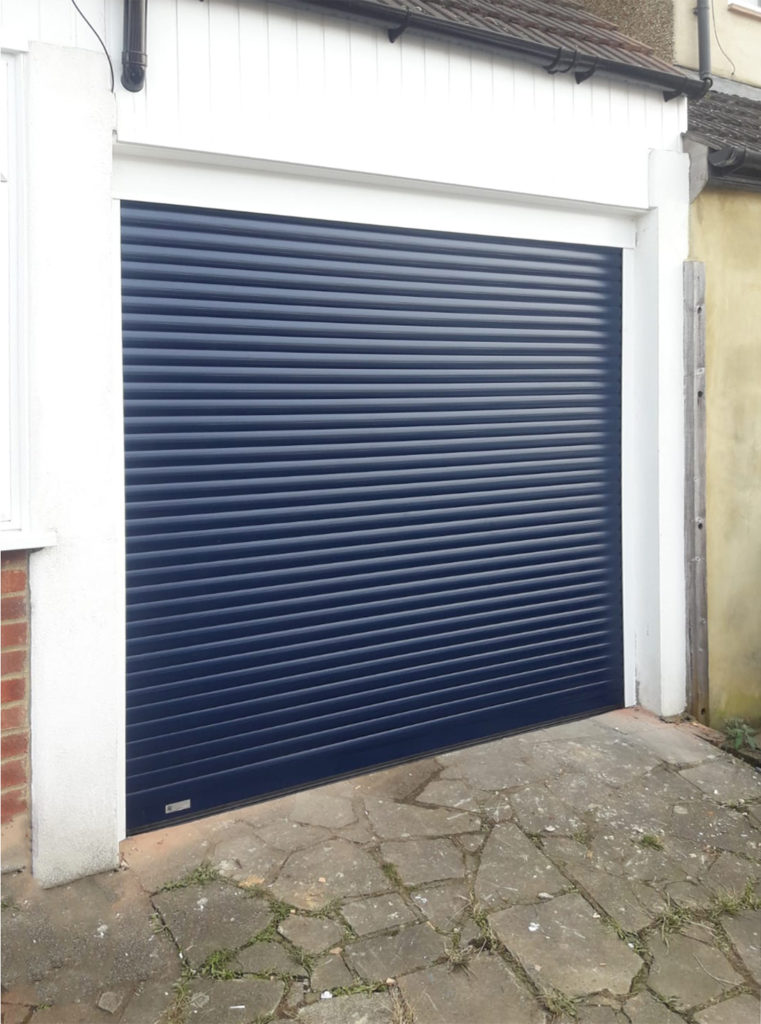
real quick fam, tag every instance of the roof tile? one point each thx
(721, 119)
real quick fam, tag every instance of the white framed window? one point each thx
(15, 510)
(752, 7)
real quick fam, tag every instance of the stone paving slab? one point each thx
(245, 858)
(378, 957)
(392, 820)
(331, 972)
(513, 870)
(334, 870)
(232, 1002)
(311, 933)
(744, 931)
(486, 992)
(740, 1010)
(446, 906)
(266, 958)
(688, 971)
(725, 779)
(377, 914)
(356, 1009)
(323, 809)
(206, 918)
(644, 1008)
(563, 943)
(673, 744)
(424, 860)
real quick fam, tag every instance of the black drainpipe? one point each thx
(134, 57)
(703, 12)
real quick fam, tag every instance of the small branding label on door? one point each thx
(181, 805)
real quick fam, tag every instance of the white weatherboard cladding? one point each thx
(268, 108)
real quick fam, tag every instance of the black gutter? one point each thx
(134, 57)
(553, 59)
(735, 165)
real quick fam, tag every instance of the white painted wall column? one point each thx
(655, 438)
(76, 460)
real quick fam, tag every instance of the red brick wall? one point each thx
(14, 659)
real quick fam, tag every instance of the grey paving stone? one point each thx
(730, 873)
(232, 1002)
(649, 802)
(266, 958)
(397, 783)
(73, 942)
(744, 930)
(378, 957)
(727, 780)
(584, 794)
(673, 743)
(485, 993)
(644, 1008)
(621, 899)
(313, 934)
(290, 835)
(450, 793)
(689, 971)
(740, 1010)
(316, 807)
(599, 1015)
(149, 1003)
(472, 842)
(611, 759)
(334, 870)
(357, 1009)
(207, 918)
(424, 860)
(623, 854)
(399, 821)
(445, 906)
(688, 894)
(110, 1001)
(536, 809)
(377, 913)
(245, 858)
(513, 869)
(705, 823)
(562, 943)
(331, 972)
(503, 764)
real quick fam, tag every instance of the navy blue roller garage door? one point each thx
(373, 496)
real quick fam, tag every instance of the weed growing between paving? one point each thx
(400, 1011)
(360, 988)
(389, 870)
(729, 901)
(651, 842)
(559, 1004)
(202, 875)
(457, 956)
(218, 965)
(739, 734)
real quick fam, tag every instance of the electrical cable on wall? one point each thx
(92, 28)
(718, 42)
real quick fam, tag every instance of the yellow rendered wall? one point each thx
(738, 28)
(726, 236)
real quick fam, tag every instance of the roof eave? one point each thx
(553, 59)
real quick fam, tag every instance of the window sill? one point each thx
(740, 8)
(27, 540)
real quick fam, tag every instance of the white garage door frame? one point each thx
(653, 242)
